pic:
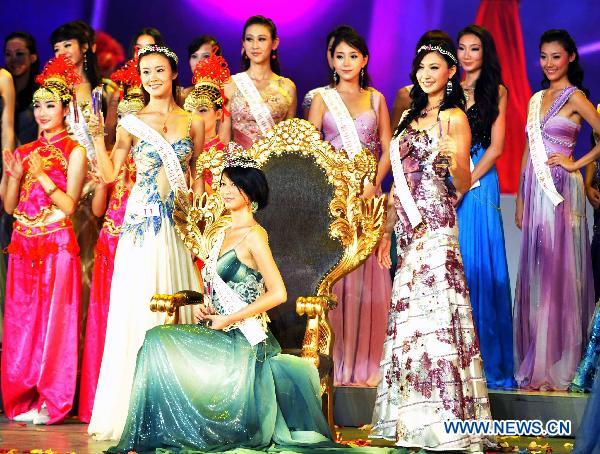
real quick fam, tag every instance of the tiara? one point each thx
(236, 156)
(439, 50)
(160, 49)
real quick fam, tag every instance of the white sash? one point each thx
(81, 131)
(401, 188)
(166, 152)
(229, 300)
(343, 121)
(537, 151)
(258, 108)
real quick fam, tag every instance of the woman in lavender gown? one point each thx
(360, 318)
(554, 297)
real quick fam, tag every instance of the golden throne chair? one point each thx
(319, 230)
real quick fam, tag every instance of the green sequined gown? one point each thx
(196, 389)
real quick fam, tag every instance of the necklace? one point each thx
(424, 112)
(164, 128)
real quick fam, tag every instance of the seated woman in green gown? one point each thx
(205, 387)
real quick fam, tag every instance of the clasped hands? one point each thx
(207, 314)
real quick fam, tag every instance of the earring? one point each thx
(336, 77)
(85, 62)
(273, 55)
(362, 76)
(254, 207)
(449, 88)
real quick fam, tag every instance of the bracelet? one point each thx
(51, 191)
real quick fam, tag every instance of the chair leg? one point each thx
(328, 405)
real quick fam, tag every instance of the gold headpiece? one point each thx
(56, 81)
(129, 81)
(210, 76)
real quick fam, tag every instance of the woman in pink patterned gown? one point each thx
(432, 369)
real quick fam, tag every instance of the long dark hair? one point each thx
(354, 40)
(575, 71)
(200, 41)
(456, 97)
(490, 77)
(25, 96)
(150, 31)
(74, 30)
(274, 59)
(172, 64)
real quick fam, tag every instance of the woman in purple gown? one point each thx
(554, 297)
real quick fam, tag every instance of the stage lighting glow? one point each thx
(291, 17)
(589, 48)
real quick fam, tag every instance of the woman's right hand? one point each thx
(519, 212)
(13, 164)
(96, 126)
(383, 252)
(202, 311)
(593, 196)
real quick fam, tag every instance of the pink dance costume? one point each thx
(43, 293)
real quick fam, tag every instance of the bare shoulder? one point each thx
(257, 237)
(502, 91)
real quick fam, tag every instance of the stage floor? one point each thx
(71, 437)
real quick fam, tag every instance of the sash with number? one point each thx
(166, 152)
(537, 150)
(230, 302)
(343, 121)
(81, 131)
(258, 108)
(401, 188)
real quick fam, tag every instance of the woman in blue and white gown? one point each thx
(150, 258)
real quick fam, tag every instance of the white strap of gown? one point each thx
(343, 120)
(537, 150)
(166, 152)
(229, 300)
(401, 188)
(258, 108)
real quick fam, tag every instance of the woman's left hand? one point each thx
(566, 162)
(36, 164)
(218, 322)
(448, 148)
(369, 191)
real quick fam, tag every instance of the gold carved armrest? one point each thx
(170, 303)
(318, 338)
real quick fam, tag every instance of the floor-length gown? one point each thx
(150, 259)
(481, 239)
(432, 369)
(554, 297)
(360, 318)
(196, 389)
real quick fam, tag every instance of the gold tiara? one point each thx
(160, 49)
(438, 49)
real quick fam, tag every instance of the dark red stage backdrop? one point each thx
(501, 18)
